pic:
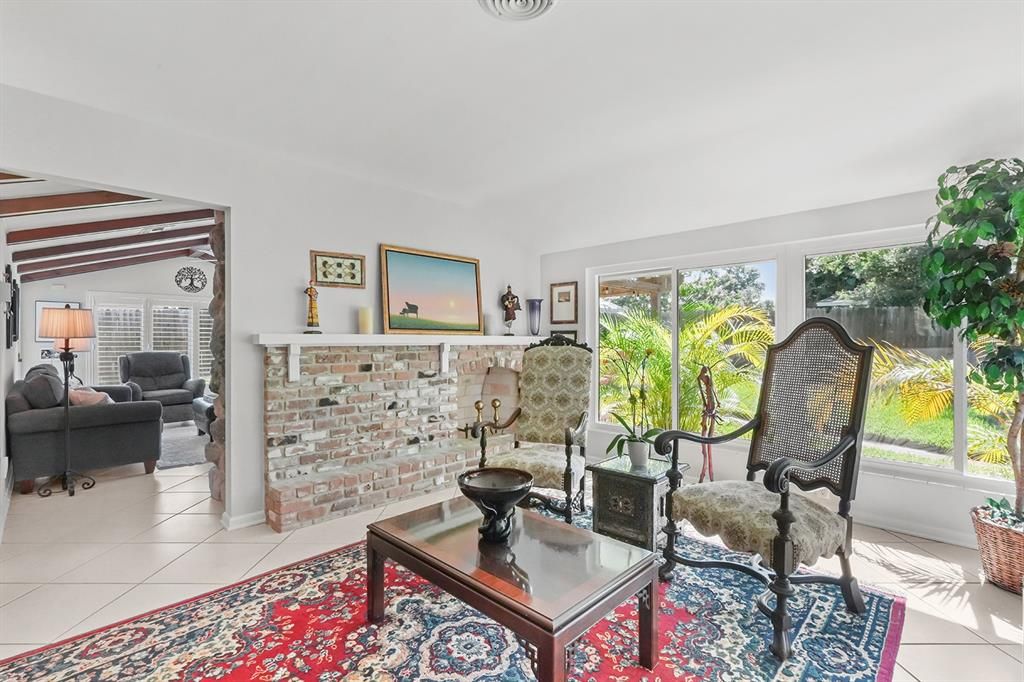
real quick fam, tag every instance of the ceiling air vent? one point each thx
(516, 10)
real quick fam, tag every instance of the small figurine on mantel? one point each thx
(312, 312)
(509, 304)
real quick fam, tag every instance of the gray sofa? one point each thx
(165, 377)
(126, 432)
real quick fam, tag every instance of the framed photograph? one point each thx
(570, 334)
(564, 303)
(50, 304)
(16, 310)
(424, 292)
(330, 269)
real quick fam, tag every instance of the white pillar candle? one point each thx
(365, 321)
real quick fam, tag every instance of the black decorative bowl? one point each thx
(495, 492)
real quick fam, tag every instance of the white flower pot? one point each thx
(638, 453)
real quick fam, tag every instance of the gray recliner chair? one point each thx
(163, 376)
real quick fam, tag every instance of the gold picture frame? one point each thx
(564, 306)
(433, 292)
(334, 269)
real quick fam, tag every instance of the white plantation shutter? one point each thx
(205, 337)
(128, 324)
(172, 328)
(118, 331)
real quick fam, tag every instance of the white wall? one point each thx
(279, 210)
(147, 279)
(890, 497)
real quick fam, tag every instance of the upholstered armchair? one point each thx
(807, 432)
(166, 377)
(550, 422)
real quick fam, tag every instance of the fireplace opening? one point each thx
(494, 383)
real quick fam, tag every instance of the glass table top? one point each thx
(549, 566)
(656, 469)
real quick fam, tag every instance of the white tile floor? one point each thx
(138, 542)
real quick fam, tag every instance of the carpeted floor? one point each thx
(307, 622)
(181, 447)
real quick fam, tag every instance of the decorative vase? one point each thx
(533, 314)
(495, 492)
(638, 454)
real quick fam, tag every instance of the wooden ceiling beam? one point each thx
(36, 234)
(105, 265)
(11, 178)
(56, 263)
(48, 203)
(113, 242)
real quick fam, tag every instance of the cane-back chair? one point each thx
(550, 423)
(807, 432)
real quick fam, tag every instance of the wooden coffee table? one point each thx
(549, 585)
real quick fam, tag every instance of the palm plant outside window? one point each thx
(877, 295)
(725, 321)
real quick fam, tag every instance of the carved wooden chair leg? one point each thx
(567, 483)
(782, 565)
(848, 583)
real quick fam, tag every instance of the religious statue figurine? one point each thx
(312, 312)
(509, 304)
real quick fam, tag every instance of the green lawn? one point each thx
(409, 322)
(885, 423)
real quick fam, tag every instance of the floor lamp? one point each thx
(71, 327)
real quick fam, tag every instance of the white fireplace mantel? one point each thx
(444, 342)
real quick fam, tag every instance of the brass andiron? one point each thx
(496, 404)
(467, 429)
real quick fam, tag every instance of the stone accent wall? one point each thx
(218, 429)
(366, 426)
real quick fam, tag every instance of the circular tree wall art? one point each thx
(190, 279)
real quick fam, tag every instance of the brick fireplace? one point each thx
(352, 427)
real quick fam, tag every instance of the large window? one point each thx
(659, 323)
(205, 339)
(635, 348)
(726, 323)
(724, 319)
(118, 331)
(876, 295)
(172, 328)
(127, 324)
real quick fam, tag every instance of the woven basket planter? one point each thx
(1002, 553)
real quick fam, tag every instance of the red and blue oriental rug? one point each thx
(307, 621)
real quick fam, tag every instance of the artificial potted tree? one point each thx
(976, 265)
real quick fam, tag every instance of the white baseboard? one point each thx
(952, 536)
(243, 521)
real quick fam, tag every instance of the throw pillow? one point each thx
(87, 396)
(43, 391)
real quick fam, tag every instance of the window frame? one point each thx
(790, 261)
(673, 265)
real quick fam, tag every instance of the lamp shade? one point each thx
(67, 323)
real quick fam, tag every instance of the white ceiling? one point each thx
(438, 97)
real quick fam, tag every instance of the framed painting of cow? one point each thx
(425, 292)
